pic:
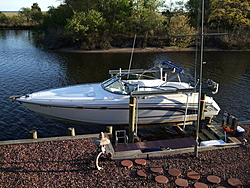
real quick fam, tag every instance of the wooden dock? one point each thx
(133, 154)
(164, 147)
(47, 139)
(149, 148)
(139, 149)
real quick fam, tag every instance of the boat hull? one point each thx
(118, 114)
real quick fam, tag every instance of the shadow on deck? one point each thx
(158, 145)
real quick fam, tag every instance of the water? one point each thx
(26, 68)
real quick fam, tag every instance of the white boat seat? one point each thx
(121, 137)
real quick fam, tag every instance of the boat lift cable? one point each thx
(131, 57)
(196, 54)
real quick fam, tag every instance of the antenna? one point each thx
(200, 84)
(201, 34)
(131, 57)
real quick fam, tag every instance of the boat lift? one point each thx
(164, 68)
(133, 107)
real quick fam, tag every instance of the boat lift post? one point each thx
(133, 108)
(132, 112)
(185, 117)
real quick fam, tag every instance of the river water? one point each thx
(26, 68)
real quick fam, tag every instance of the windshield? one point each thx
(115, 85)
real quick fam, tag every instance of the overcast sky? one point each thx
(16, 5)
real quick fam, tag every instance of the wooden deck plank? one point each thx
(202, 137)
(207, 133)
(234, 140)
(216, 131)
(47, 139)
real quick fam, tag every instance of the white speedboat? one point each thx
(159, 100)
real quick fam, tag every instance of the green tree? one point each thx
(86, 27)
(178, 6)
(232, 17)
(229, 14)
(3, 18)
(145, 17)
(82, 6)
(33, 14)
(194, 11)
(57, 17)
(51, 32)
(35, 6)
(179, 25)
(146, 20)
(36, 13)
(25, 12)
(116, 13)
(193, 7)
(15, 21)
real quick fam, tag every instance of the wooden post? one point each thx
(109, 131)
(235, 125)
(202, 106)
(225, 118)
(200, 119)
(207, 121)
(132, 104)
(33, 134)
(71, 131)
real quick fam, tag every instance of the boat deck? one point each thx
(158, 145)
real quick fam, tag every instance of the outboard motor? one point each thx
(214, 86)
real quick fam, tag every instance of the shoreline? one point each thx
(144, 50)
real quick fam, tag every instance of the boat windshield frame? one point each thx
(117, 86)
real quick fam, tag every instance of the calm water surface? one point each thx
(26, 68)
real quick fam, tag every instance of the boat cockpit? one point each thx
(117, 86)
(152, 80)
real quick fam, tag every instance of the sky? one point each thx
(16, 5)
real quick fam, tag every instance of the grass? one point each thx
(10, 14)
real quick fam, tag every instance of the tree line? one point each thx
(103, 24)
(26, 17)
